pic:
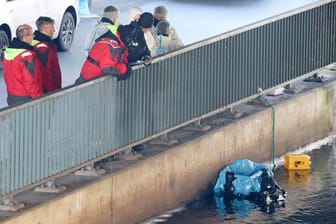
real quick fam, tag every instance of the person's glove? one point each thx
(147, 60)
(128, 73)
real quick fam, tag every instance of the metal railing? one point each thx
(62, 131)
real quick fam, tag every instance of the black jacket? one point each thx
(134, 39)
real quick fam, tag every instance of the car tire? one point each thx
(4, 41)
(66, 32)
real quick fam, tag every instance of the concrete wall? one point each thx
(163, 181)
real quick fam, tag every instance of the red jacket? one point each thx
(51, 71)
(22, 70)
(108, 56)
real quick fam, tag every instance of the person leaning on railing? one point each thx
(108, 56)
(134, 38)
(109, 21)
(22, 68)
(165, 42)
(161, 14)
(134, 14)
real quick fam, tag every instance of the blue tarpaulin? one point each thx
(247, 177)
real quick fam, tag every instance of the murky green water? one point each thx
(311, 198)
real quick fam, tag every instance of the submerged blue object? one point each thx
(247, 177)
(246, 180)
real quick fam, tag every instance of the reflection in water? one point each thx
(310, 198)
(237, 208)
(241, 208)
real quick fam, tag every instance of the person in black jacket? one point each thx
(133, 37)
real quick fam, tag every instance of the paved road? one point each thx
(193, 22)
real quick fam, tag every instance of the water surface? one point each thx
(310, 198)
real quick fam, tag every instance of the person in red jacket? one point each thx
(47, 52)
(22, 68)
(108, 56)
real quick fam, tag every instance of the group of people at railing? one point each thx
(31, 65)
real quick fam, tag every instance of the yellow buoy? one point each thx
(297, 162)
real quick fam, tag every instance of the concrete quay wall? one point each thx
(164, 180)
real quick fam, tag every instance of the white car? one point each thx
(16, 12)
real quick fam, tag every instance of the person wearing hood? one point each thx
(165, 42)
(47, 52)
(109, 21)
(134, 14)
(108, 56)
(135, 39)
(22, 68)
(161, 13)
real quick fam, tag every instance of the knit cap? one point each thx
(163, 28)
(146, 20)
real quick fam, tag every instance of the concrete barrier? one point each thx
(165, 177)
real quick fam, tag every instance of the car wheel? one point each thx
(66, 33)
(4, 41)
